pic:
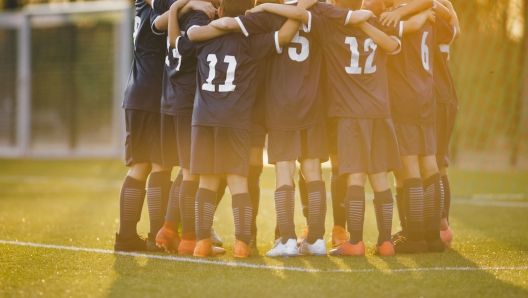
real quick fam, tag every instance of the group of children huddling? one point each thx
(364, 83)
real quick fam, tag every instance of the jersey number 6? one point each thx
(230, 74)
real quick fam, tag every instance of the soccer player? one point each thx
(446, 109)
(295, 118)
(227, 69)
(411, 90)
(143, 140)
(366, 139)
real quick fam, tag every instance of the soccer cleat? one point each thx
(253, 242)
(318, 248)
(204, 248)
(339, 235)
(168, 238)
(288, 249)
(151, 244)
(134, 243)
(405, 246)
(347, 249)
(398, 236)
(187, 244)
(241, 249)
(447, 237)
(436, 245)
(216, 240)
(304, 235)
(386, 249)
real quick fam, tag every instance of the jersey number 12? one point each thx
(230, 74)
(354, 63)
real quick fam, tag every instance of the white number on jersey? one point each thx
(425, 51)
(230, 75)
(354, 63)
(305, 48)
(175, 55)
(137, 22)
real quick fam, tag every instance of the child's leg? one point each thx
(189, 187)
(338, 188)
(205, 205)
(253, 182)
(284, 199)
(241, 204)
(355, 206)
(383, 205)
(433, 198)
(131, 199)
(158, 190)
(315, 188)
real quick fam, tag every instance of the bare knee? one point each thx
(358, 179)
(428, 166)
(379, 181)
(311, 169)
(209, 182)
(187, 176)
(284, 172)
(255, 156)
(140, 171)
(237, 184)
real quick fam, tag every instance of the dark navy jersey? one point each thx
(258, 115)
(294, 99)
(143, 90)
(179, 78)
(444, 87)
(357, 72)
(226, 78)
(410, 72)
(161, 6)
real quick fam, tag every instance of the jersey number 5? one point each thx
(354, 63)
(305, 48)
(230, 74)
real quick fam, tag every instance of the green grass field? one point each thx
(75, 204)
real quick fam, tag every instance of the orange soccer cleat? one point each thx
(204, 248)
(386, 249)
(168, 237)
(339, 235)
(303, 236)
(347, 249)
(187, 244)
(242, 250)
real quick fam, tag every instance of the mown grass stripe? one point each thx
(254, 266)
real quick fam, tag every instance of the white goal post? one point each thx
(19, 137)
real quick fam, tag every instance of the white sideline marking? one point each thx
(254, 266)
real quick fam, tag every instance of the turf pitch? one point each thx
(65, 204)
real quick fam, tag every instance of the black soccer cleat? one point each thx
(253, 241)
(406, 246)
(436, 245)
(398, 235)
(151, 244)
(134, 243)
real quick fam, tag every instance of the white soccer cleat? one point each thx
(318, 248)
(289, 249)
(215, 239)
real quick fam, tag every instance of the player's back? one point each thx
(357, 73)
(226, 86)
(144, 85)
(294, 97)
(179, 78)
(444, 86)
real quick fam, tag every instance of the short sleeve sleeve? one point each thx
(259, 23)
(262, 45)
(161, 6)
(445, 32)
(184, 47)
(153, 16)
(321, 28)
(198, 18)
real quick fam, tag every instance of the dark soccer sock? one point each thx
(284, 205)
(173, 208)
(433, 206)
(338, 190)
(158, 189)
(383, 207)
(130, 205)
(413, 199)
(355, 212)
(447, 197)
(242, 213)
(317, 207)
(187, 205)
(401, 208)
(277, 230)
(204, 213)
(254, 194)
(304, 197)
(221, 190)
